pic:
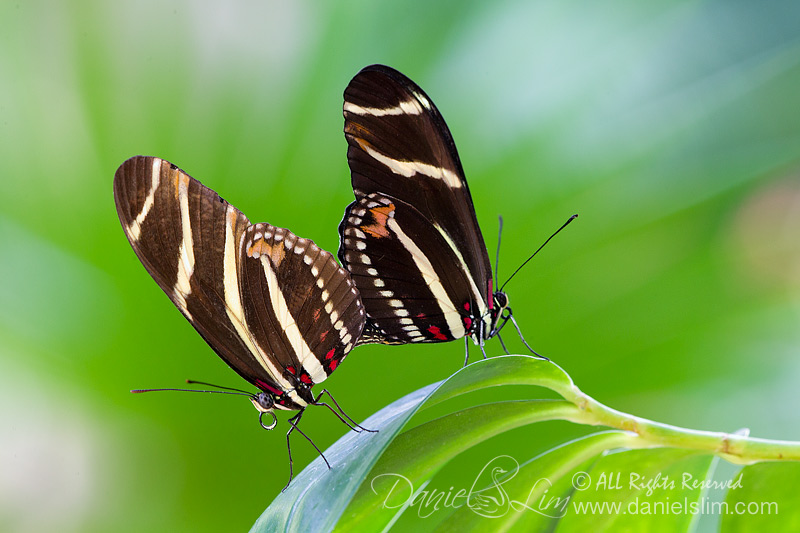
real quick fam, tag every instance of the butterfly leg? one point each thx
(519, 332)
(481, 342)
(502, 343)
(351, 423)
(293, 422)
(483, 351)
(466, 349)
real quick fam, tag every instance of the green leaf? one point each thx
(317, 496)
(500, 371)
(417, 454)
(536, 494)
(375, 478)
(764, 497)
(639, 490)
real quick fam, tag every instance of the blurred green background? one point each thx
(672, 128)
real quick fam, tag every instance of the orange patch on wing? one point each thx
(381, 216)
(358, 131)
(262, 247)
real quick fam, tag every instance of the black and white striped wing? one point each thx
(262, 298)
(407, 274)
(428, 250)
(300, 304)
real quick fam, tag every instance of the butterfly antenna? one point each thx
(242, 393)
(216, 386)
(573, 217)
(497, 257)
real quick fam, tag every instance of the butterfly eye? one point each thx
(501, 299)
(265, 401)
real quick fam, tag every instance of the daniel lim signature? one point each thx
(492, 501)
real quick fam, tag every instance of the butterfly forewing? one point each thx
(149, 194)
(196, 246)
(401, 149)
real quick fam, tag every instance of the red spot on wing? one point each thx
(467, 322)
(323, 335)
(466, 306)
(334, 364)
(267, 387)
(305, 378)
(329, 355)
(437, 333)
(421, 315)
(291, 370)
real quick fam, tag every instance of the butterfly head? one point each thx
(500, 313)
(500, 301)
(266, 402)
(293, 400)
(263, 402)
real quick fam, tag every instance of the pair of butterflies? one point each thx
(281, 311)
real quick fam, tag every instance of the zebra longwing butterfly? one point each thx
(275, 307)
(411, 239)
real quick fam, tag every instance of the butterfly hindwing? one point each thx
(408, 276)
(308, 297)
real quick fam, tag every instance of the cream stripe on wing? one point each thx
(135, 227)
(409, 168)
(304, 354)
(475, 291)
(235, 311)
(483, 309)
(409, 107)
(451, 315)
(183, 287)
